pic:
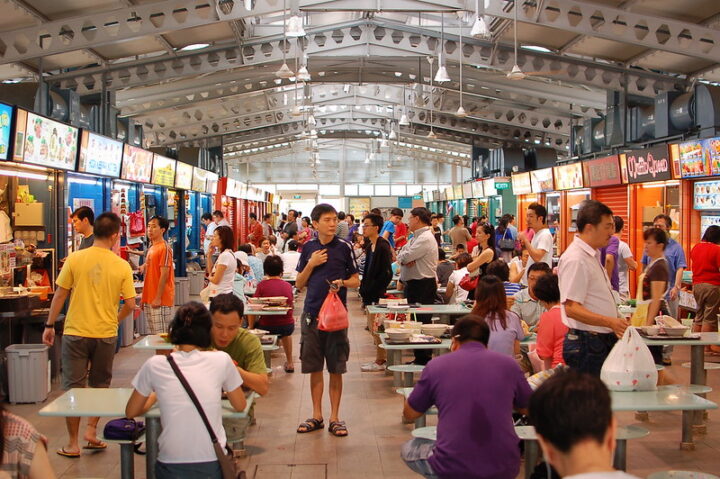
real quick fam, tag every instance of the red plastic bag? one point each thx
(333, 315)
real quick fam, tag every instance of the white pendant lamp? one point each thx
(294, 27)
(404, 120)
(442, 74)
(284, 71)
(303, 74)
(480, 28)
(461, 113)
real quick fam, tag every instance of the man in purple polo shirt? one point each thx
(475, 434)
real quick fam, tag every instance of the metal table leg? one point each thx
(687, 443)
(152, 433)
(531, 456)
(408, 380)
(620, 459)
(698, 376)
(266, 354)
(421, 421)
(127, 461)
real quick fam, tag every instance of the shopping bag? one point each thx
(639, 317)
(630, 365)
(333, 315)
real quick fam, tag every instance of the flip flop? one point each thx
(95, 445)
(288, 369)
(64, 453)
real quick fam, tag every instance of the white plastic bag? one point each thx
(630, 365)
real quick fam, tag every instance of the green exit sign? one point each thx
(417, 197)
(297, 197)
(502, 185)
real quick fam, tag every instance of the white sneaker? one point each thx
(372, 367)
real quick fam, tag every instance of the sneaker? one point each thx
(372, 367)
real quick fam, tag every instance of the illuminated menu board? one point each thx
(212, 182)
(5, 124)
(477, 189)
(100, 155)
(707, 195)
(521, 183)
(50, 143)
(693, 159)
(603, 171)
(489, 187)
(467, 190)
(137, 164)
(568, 177)
(449, 193)
(183, 176)
(199, 179)
(649, 164)
(542, 180)
(163, 172)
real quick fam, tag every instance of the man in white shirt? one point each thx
(290, 259)
(219, 218)
(575, 426)
(541, 246)
(588, 306)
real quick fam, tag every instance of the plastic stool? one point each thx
(419, 422)
(681, 475)
(429, 432)
(691, 388)
(407, 371)
(708, 367)
(127, 455)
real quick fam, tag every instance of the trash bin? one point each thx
(197, 280)
(182, 291)
(28, 372)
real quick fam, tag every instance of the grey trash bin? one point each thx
(197, 280)
(28, 372)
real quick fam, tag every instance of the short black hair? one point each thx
(218, 213)
(227, 237)
(471, 327)
(106, 225)
(163, 223)
(619, 223)
(665, 218)
(546, 289)
(376, 211)
(227, 303)
(253, 216)
(591, 212)
(456, 219)
(267, 216)
(84, 212)
(441, 254)
(351, 216)
(245, 248)
(657, 234)
(559, 409)
(539, 210)
(539, 266)
(397, 212)
(500, 269)
(421, 213)
(273, 266)
(191, 325)
(376, 220)
(206, 216)
(321, 209)
(341, 215)
(292, 245)
(712, 234)
(460, 246)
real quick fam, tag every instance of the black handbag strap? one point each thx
(193, 397)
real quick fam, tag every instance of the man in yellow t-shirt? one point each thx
(98, 280)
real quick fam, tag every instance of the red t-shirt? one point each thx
(401, 229)
(551, 333)
(257, 232)
(471, 244)
(705, 260)
(276, 287)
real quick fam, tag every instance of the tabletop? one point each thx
(423, 309)
(154, 342)
(706, 339)
(109, 402)
(445, 344)
(529, 339)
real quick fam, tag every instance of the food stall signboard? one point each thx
(707, 195)
(198, 181)
(467, 190)
(5, 124)
(521, 183)
(477, 189)
(50, 143)
(706, 221)
(100, 155)
(490, 187)
(542, 180)
(693, 160)
(449, 193)
(183, 176)
(568, 177)
(458, 192)
(137, 164)
(649, 164)
(712, 150)
(212, 182)
(603, 172)
(163, 172)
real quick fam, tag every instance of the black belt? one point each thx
(594, 333)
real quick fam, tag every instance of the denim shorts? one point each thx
(586, 351)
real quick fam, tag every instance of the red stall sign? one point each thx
(603, 171)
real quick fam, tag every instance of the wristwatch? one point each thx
(48, 326)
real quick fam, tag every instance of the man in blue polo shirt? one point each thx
(388, 229)
(325, 261)
(475, 434)
(676, 264)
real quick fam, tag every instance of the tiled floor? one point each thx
(372, 412)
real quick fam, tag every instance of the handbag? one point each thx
(506, 244)
(123, 429)
(225, 458)
(469, 283)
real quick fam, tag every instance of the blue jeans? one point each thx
(586, 351)
(194, 470)
(415, 453)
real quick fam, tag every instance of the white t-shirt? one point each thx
(455, 278)
(209, 233)
(228, 278)
(543, 240)
(184, 437)
(603, 475)
(623, 252)
(290, 262)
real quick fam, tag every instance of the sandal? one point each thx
(64, 453)
(310, 425)
(289, 369)
(338, 428)
(95, 445)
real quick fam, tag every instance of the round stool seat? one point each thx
(526, 432)
(708, 366)
(428, 432)
(406, 368)
(691, 388)
(659, 367)
(681, 475)
(630, 432)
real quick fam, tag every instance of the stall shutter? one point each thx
(616, 198)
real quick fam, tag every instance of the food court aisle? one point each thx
(372, 412)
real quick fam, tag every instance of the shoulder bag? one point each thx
(225, 458)
(505, 243)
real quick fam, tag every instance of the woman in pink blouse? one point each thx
(551, 330)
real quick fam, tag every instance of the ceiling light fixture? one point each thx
(303, 74)
(442, 74)
(461, 113)
(284, 71)
(392, 135)
(432, 134)
(295, 26)
(480, 28)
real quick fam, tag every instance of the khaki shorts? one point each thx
(157, 319)
(87, 361)
(707, 297)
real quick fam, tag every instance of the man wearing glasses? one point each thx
(377, 274)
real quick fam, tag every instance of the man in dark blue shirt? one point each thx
(324, 261)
